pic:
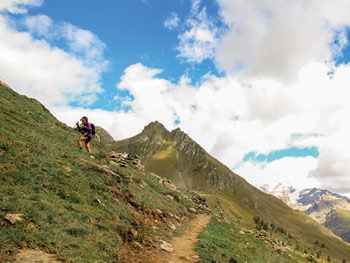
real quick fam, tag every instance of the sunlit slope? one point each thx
(72, 206)
(177, 157)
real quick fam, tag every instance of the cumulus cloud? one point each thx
(172, 21)
(280, 171)
(269, 39)
(333, 169)
(265, 39)
(18, 6)
(81, 43)
(199, 39)
(34, 66)
(40, 24)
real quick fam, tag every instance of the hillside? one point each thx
(338, 220)
(174, 155)
(121, 208)
(57, 199)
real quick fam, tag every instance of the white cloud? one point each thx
(172, 21)
(199, 39)
(18, 6)
(265, 39)
(55, 76)
(40, 24)
(83, 44)
(288, 171)
(333, 169)
(269, 39)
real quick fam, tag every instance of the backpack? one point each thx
(93, 131)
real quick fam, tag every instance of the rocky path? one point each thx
(183, 246)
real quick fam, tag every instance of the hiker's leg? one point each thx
(87, 145)
(80, 141)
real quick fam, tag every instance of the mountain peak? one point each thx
(186, 157)
(154, 126)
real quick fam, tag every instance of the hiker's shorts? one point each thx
(87, 138)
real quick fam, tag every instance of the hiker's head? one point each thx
(84, 119)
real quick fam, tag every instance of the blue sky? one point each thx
(261, 85)
(132, 31)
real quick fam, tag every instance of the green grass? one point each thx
(224, 241)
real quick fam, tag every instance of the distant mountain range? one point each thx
(329, 209)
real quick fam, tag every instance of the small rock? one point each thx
(31, 226)
(100, 202)
(137, 245)
(172, 226)
(14, 218)
(193, 210)
(166, 246)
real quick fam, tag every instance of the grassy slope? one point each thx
(69, 208)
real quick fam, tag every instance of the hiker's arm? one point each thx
(78, 126)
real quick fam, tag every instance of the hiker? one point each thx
(86, 128)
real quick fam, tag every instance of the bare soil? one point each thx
(183, 247)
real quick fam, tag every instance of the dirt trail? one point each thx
(183, 246)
